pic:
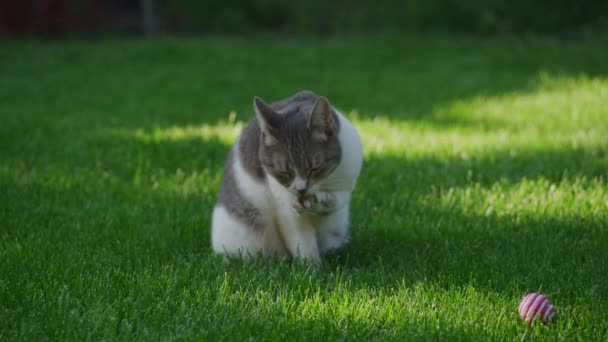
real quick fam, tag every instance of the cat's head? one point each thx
(298, 148)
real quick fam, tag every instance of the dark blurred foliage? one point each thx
(552, 17)
(472, 16)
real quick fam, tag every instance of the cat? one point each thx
(287, 182)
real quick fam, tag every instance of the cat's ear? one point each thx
(268, 120)
(321, 120)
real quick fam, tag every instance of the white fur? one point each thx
(288, 233)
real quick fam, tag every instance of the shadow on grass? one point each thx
(186, 82)
(163, 158)
(116, 191)
(151, 188)
(418, 175)
(148, 236)
(406, 227)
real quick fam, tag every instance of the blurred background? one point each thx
(62, 18)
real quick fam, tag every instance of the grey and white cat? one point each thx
(288, 181)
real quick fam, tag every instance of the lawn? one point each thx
(485, 177)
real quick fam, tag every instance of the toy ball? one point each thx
(536, 305)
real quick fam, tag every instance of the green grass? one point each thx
(485, 176)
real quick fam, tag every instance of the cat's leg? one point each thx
(230, 236)
(302, 243)
(332, 230)
(299, 235)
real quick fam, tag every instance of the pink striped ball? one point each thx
(535, 305)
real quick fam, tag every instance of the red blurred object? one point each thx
(48, 17)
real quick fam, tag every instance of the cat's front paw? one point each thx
(301, 205)
(305, 203)
(297, 206)
(319, 202)
(324, 201)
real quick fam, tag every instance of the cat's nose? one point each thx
(301, 185)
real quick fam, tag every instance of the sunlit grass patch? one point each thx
(556, 102)
(558, 111)
(579, 197)
(381, 136)
(224, 131)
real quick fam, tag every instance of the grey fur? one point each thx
(248, 151)
(290, 123)
(301, 102)
(232, 199)
(295, 148)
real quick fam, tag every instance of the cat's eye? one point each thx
(284, 174)
(316, 169)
